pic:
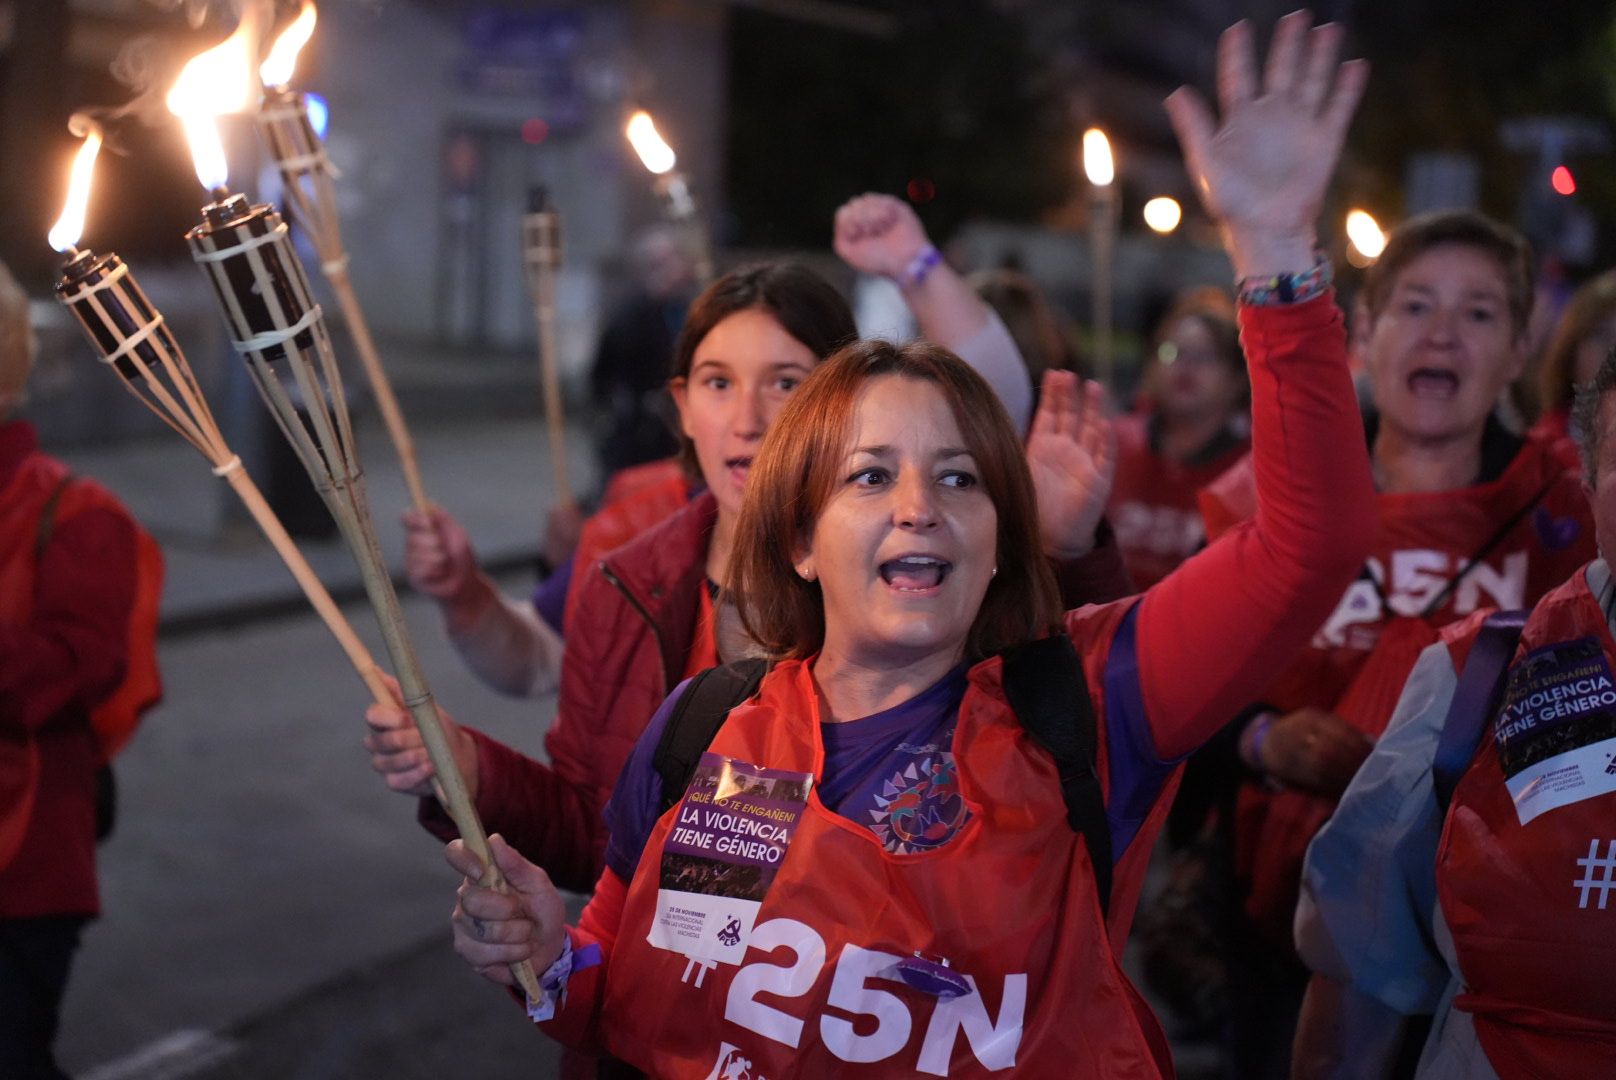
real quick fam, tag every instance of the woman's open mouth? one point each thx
(915, 573)
(1434, 384)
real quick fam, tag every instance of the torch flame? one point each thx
(1365, 234)
(1097, 162)
(216, 82)
(70, 226)
(654, 151)
(277, 68)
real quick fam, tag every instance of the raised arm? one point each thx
(504, 642)
(1214, 631)
(881, 235)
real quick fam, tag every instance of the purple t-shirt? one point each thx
(894, 773)
(550, 598)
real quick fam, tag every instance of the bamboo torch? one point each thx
(132, 339)
(246, 254)
(1100, 168)
(541, 251)
(307, 175)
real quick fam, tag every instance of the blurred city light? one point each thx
(1564, 183)
(319, 113)
(1163, 214)
(1097, 163)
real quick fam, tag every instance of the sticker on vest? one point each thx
(1556, 734)
(730, 833)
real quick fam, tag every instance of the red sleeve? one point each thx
(577, 1022)
(74, 646)
(1212, 633)
(555, 824)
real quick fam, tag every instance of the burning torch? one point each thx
(1101, 172)
(672, 187)
(246, 253)
(306, 172)
(132, 339)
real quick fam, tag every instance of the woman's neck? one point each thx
(719, 547)
(854, 688)
(1409, 466)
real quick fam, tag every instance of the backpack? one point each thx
(1045, 687)
(114, 720)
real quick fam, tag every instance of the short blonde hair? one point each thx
(16, 339)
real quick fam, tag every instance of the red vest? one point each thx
(1152, 506)
(1529, 906)
(112, 721)
(1009, 901)
(1361, 656)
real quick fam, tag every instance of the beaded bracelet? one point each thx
(1288, 288)
(924, 262)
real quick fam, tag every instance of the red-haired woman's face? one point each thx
(905, 547)
(740, 375)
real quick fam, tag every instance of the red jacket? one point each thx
(636, 499)
(63, 649)
(1528, 905)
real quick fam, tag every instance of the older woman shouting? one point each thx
(915, 844)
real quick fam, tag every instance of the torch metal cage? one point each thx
(280, 331)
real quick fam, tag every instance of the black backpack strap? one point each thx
(1044, 684)
(696, 718)
(47, 518)
(1475, 700)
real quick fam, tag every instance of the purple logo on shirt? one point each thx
(920, 807)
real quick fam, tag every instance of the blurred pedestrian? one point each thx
(1192, 424)
(1584, 337)
(1464, 877)
(1468, 515)
(79, 583)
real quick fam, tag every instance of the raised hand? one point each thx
(438, 558)
(878, 234)
(1313, 750)
(1072, 455)
(1263, 169)
(495, 930)
(398, 753)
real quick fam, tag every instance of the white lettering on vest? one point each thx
(848, 991)
(1161, 530)
(994, 1041)
(742, 1006)
(1417, 577)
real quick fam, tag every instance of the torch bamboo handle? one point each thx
(555, 419)
(392, 416)
(313, 588)
(452, 791)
